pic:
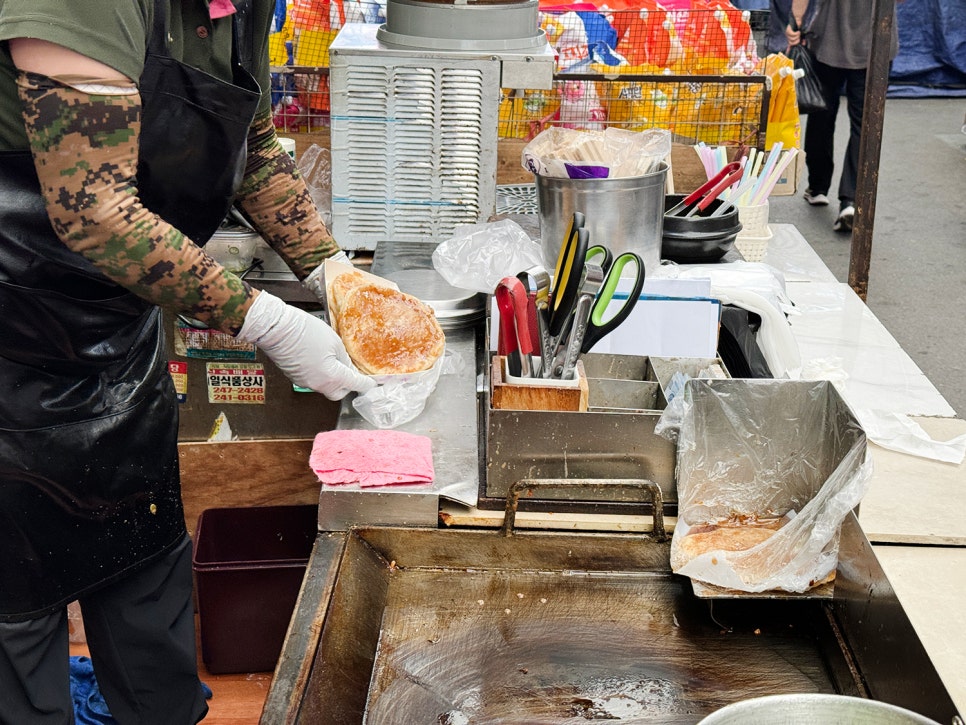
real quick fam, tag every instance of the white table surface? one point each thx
(930, 583)
(912, 501)
(835, 327)
(789, 252)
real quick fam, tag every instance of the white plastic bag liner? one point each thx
(767, 448)
(758, 288)
(478, 256)
(613, 152)
(399, 399)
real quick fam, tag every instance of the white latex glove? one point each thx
(315, 282)
(305, 348)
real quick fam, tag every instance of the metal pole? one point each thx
(870, 145)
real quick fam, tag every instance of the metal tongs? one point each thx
(701, 198)
(514, 340)
(536, 281)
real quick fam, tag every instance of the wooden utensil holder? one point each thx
(536, 393)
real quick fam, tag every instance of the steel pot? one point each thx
(814, 708)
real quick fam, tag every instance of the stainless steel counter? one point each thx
(450, 418)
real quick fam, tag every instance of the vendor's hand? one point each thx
(305, 348)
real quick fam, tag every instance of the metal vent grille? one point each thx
(413, 147)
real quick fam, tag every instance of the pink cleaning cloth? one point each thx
(372, 457)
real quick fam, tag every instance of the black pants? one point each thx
(141, 635)
(820, 131)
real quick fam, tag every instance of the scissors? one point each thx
(598, 327)
(600, 255)
(566, 283)
(590, 324)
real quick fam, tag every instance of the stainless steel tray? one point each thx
(613, 440)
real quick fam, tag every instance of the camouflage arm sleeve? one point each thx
(275, 199)
(85, 149)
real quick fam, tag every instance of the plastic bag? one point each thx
(758, 288)
(614, 152)
(315, 165)
(480, 255)
(399, 399)
(751, 450)
(808, 88)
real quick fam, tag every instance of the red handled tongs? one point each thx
(699, 199)
(514, 340)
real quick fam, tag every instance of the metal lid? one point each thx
(234, 231)
(454, 307)
(491, 25)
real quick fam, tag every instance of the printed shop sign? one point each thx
(179, 376)
(237, 383)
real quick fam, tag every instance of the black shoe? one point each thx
(845, 219)
(816, 198)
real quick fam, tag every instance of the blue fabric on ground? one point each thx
(932, 49)
(89, 705)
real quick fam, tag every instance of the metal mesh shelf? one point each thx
(516, 199)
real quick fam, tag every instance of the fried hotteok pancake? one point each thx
(337, 291)
(388, 332)
(725, 538)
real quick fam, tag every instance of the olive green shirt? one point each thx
(841, 32)
(116, 32)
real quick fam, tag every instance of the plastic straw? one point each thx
(776, 174)
(773, 155)
(742, 191)
(758, 163)
(702, 152)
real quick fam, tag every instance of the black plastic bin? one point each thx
(248, 565)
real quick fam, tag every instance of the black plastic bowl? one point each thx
(698, 238)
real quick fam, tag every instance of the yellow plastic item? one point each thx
(312, 47)
(784, 123)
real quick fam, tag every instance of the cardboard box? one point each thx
(788, 183)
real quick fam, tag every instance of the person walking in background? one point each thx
(839, 32)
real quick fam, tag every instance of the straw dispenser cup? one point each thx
(754, 220)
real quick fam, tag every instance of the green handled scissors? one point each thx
(598, 326)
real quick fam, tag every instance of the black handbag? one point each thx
(808, 88)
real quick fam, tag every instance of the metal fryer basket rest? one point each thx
(447, 626)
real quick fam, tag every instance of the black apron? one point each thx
(89, 485)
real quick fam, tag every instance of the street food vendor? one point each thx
(127, 129)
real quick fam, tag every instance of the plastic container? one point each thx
(696, 239)
(233, 247)
(248, 565)
(752, 240)
(624, 214)
(754, 220)
(288, 145)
